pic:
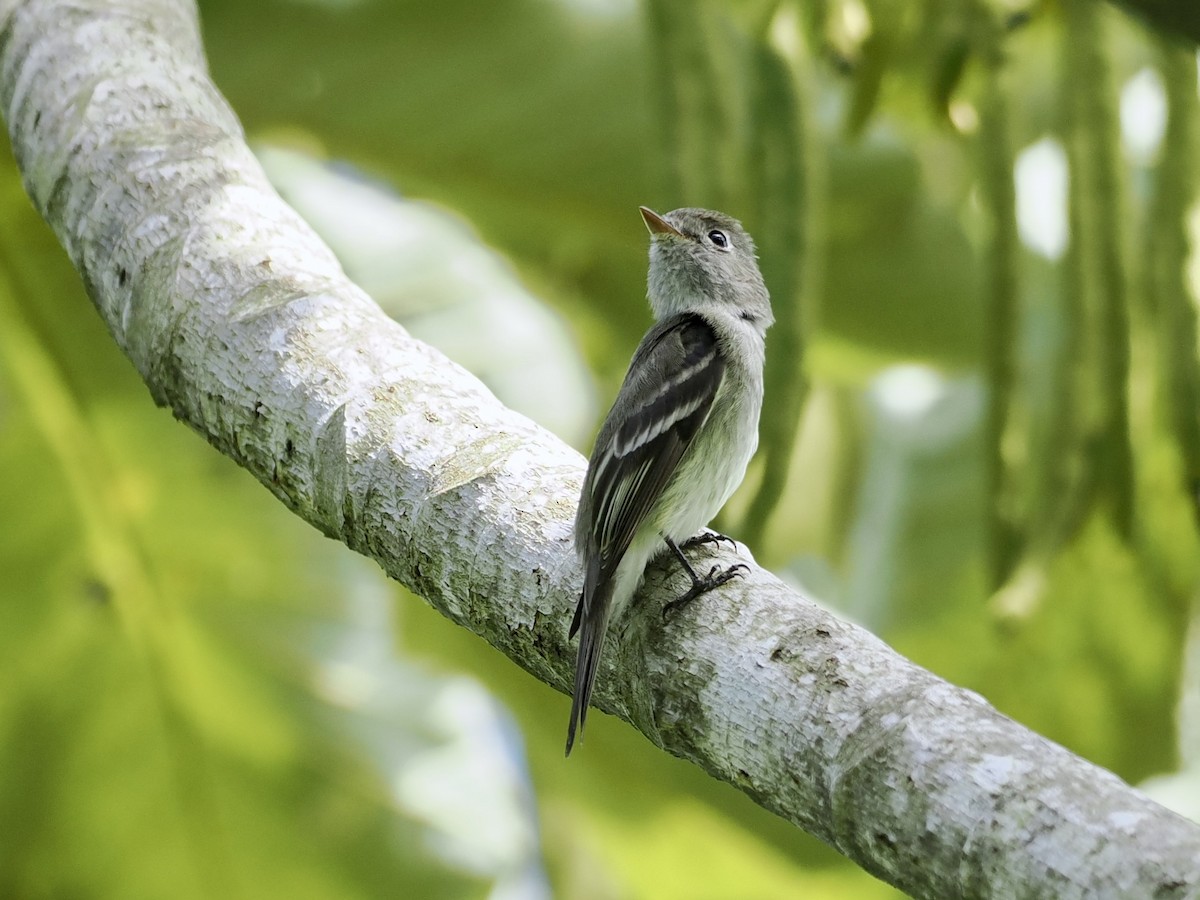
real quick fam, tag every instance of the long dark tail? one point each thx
(591, 621)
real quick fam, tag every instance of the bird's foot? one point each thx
(714, 579)
(708, 537)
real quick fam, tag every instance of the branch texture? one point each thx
(241, 321)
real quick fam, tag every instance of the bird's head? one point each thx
(702, 258)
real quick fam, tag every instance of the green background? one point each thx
(203, 697)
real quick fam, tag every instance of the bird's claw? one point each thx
(708, 537)
(714, 579)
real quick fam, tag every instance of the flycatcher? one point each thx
(684, 425)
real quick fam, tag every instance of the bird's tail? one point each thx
(591, 621)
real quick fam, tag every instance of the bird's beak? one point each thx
(657, 224)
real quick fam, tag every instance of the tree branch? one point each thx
(241, 321)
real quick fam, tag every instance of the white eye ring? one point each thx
(719, 239)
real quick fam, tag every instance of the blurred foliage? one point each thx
(981, 436)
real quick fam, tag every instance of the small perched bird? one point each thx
(678, 438)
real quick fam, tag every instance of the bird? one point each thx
(684, 426)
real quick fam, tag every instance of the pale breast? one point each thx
(716, 462)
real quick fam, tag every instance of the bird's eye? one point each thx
(719, 239)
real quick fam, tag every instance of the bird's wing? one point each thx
(666, 397)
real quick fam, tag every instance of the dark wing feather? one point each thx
(666, 397)
(667, 394)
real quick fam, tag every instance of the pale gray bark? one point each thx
(241, 321)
